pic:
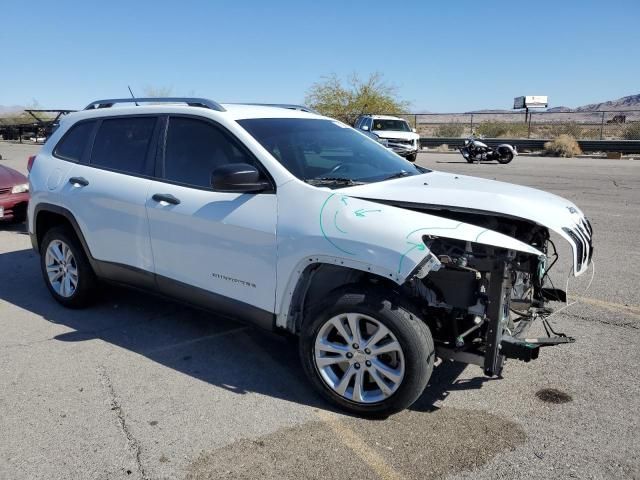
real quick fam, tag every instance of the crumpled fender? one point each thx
(392, 237)
(323, 226)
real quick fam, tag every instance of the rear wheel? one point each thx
(505, 156)
(366, 353)
(65, 268)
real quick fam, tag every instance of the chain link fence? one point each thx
(601, 125)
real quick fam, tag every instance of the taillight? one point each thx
(32, 159)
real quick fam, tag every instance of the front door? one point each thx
(223, 244)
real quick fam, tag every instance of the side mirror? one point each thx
(414, 130)
(365, 128)
(238, 178)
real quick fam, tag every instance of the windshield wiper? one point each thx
(400, 174)
(332, 181)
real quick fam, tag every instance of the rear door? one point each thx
(213, 248)
(107, 190)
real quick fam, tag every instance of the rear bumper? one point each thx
(13, 206)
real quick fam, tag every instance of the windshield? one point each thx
(327, 150)
(393, 125)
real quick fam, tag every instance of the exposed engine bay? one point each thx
(480, 300)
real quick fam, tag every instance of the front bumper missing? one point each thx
(527, 349)
(523, 348)
(502, 343)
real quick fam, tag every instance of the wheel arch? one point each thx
(47, 216)
(315, 277)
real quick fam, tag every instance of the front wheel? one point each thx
(366, 353)
(466, 155)
(412, 156)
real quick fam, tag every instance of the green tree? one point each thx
(346, 100)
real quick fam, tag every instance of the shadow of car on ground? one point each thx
(216, 350)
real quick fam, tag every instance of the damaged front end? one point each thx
(480, 301)
(478, 277)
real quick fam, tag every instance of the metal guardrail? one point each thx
(622, 146)
(596, 125)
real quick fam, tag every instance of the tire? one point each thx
(505, 156)
(19, 214)
(16, 220)
(412, 364)
(62, 239)
(412, 157)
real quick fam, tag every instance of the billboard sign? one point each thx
(531, 101)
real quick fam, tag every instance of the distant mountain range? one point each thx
(631, 102)
(10, 109)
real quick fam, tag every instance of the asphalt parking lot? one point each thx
(143, 388)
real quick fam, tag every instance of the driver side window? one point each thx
(195, 148)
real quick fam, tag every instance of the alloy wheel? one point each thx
(359, 358)
(62, 269)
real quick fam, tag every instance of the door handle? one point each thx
(166, 197)
(78, 181)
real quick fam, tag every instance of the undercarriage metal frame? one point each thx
(499, 295)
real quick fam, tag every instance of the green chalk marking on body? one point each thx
(322, 227)
(361, 212)
(483, 231)
(419, 246)
(413, 247)
(434, 228)
(335, 223)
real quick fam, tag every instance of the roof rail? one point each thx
(290, 106)
(192, 102)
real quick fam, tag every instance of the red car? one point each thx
(14, 195)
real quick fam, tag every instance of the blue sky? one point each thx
(442, 56)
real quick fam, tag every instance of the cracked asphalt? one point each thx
(139, 387)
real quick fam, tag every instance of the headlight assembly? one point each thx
(21, 188)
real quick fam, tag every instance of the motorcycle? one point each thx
(477, 151)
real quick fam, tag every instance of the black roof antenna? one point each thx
(132, 95)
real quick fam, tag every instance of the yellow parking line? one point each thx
(355, 443)
(632, 310)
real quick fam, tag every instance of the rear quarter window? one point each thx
(73, 143)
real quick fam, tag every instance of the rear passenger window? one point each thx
(195, 148)
(122, 144)
(73, 143)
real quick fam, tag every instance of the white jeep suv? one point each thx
(298, 223)
(395, 132)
